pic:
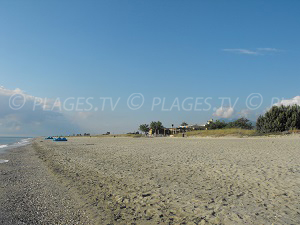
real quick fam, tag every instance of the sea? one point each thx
(12, 142)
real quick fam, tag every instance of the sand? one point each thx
(158, 180)
(31, 194)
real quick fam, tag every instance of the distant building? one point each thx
(208, 122)
(197, 127)
(191, 127)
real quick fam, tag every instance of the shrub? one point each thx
(216, 125)
(279, 119)
(242, 123)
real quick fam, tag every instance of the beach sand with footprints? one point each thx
(152, 181)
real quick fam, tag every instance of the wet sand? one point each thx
(154, 181)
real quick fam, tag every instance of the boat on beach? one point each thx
(60, 139)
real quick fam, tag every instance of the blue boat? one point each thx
(47, 138)
(60, 139)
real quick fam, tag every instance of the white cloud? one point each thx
(30, 119)
(224, 112)
(269, 49)
(44, 103)
(241, 51)
(257, 51)
(51, 117)
(293, 101)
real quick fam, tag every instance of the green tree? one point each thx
(144, 128)
(279, 118)
(216, 125)
(156, 126)
(242, 123)
(184, 124)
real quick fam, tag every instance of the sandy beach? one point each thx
(152, 181)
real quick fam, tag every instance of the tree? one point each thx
(184, 124)
(144, 128)
(242, 123)
(279, 118)
(156, 126)
(216, 125)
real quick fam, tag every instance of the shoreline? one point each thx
(22, 142)
(8, 147)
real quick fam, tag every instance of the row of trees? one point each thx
(279, 119)
(242, 123)
(155, 126)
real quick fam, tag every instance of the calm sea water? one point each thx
(12, 142)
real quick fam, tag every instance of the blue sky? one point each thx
(61, 49)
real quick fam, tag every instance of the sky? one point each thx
(168, 60)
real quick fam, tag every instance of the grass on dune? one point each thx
(295, 131)
(235, 132)
(220, 133)
(119, 135)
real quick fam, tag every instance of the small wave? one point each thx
(23, 141)
(3, 161)
(19, 143)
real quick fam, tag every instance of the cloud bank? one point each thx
(29, 122)
(287, 102)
